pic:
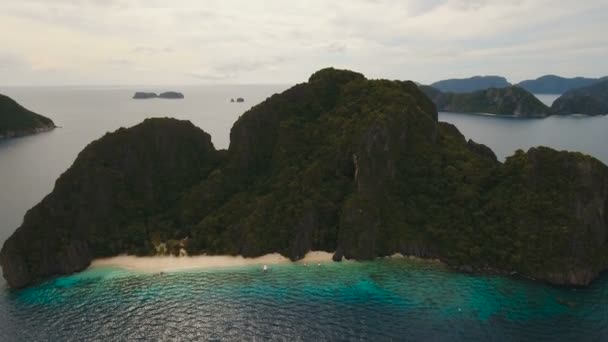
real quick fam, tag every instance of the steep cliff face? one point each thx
(115, 192)
(340, 163)
(16, 121)
(559, 210)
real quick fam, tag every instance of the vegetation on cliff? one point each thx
(467, 85)
(591, 100)
(513, 101)
(15, 120)
(340, 163)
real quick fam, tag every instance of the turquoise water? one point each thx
(394, 299)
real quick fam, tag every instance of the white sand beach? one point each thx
(173, 263)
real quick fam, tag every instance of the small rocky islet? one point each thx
(16, 121)
(343, 164)
(166, 95)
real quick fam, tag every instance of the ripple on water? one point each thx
(395, 299)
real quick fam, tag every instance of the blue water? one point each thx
(505, 135)
(379, 301)
(385, 300)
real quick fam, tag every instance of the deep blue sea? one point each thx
(384, 300)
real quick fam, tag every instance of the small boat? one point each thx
(265, 268)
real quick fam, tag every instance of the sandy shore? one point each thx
(172, 263)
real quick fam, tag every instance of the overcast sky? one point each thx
(106, 42)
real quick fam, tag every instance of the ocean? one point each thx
(384, 300)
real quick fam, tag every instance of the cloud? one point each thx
(336, 48)
(121, 62)
(230, 71)
(152, 49)
(11, 61)
(188, 41)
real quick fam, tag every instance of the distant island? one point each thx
(144, 95)
(511, 101)
(548, 84)
(17, 121)
(171, 95)
(165, 95)
(467, 85)
(552, 84)
(590, 100)
(360, 168)
(239, 100)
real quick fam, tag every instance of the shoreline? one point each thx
(155, 264)
(25, 133)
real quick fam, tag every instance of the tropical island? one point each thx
(471, 84)
(591, 100)
(15, 120)
(166, 95)
(356, 167)
(512, 101)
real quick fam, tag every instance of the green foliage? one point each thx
(501, 101)
(591, 100)
(338, 163)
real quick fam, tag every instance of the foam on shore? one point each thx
(173, 263)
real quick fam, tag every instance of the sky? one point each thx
(152, 42)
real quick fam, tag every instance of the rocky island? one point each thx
(166, 95)
(552, 84)
(471, 84)
(144, 95)
(15, 120)
(512, 101)
(171, 95)
(591, 100)
(360, 168)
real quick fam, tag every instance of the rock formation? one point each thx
(17, 121)
(591, 100)
(144, 95)
(171, 95)
(340, 163)
(512, 101)
(166, 95)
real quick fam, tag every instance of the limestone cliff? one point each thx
(339, 163)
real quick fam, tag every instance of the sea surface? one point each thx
(384, 300)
